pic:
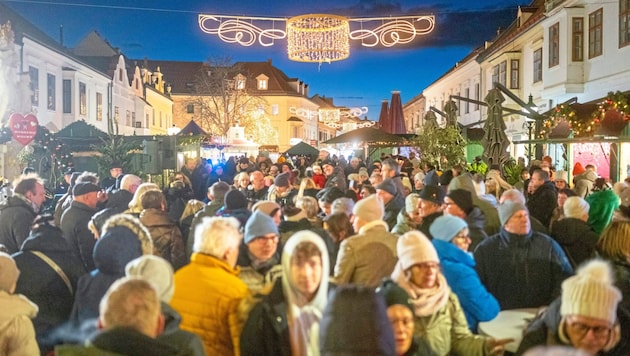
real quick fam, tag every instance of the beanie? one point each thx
(235, 199)
(591, 292)
(411, 203)
(9, 272)
(259, 224)
(561, 175)
(575, 207)
(394, 294)
(432, 193)
(446, 227)
(282, 180)
(578, 169)
(268, 207)
(347, 307)
(369, 209)
(388, 186)
(509, 208)
(462, 198)
(414, 247)
(156, 271)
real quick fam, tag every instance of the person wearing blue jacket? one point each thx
(451, 240)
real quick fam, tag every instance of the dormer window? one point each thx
(263, 82)
(239, 82)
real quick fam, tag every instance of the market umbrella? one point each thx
(303, 149)
(396, 118)
(495, 141)
(430, 121)
(370, 135)
(383, 117)
(191, 129)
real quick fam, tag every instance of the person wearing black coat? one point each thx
(544, 199)
(52, 291)
(575, 236)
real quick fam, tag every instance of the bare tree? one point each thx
(226, 95)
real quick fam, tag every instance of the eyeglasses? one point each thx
(583, 329)
(462, 237)
(263, 239)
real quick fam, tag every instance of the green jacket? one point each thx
(446, 332)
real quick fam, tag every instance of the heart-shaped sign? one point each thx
(23, 128)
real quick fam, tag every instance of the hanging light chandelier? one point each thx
(317, 37)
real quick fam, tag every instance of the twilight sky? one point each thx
(168, 30)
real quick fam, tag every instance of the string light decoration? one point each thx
(613, 101)
(560, 112)
(317, 38)
(331, 117)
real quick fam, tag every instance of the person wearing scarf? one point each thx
(286, 319)
(439, 319)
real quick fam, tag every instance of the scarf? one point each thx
(425, 301)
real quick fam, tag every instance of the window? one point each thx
(554, 45)
(514, 76)
(467, 103)
(477, 95)
(33, 74)
(133, 120)
(499, 73)
(495, 74)
(153, 118)
(146, 119)
(295, 132)
(52, 96)
(577, 39)
(190, 108)
(161, 119)
(138, 124)
(67, 96)
(595, 33)
(262, 84)
(537, 65)
(239, 82)
(624, 23)
(275, 109)
(116, 114)
(120, 75)
(128, 118)
(82, 99)
(99, 107)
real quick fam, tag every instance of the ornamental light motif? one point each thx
(317, 37)
(331, 117)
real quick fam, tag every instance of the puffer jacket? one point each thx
(207, 297)
(17, 335)
(445, 332)
(74, 224)
(458, 268)
(186, 342)
(167, 238)
(403, 223)
(16, 218)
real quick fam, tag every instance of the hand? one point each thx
(497, 346)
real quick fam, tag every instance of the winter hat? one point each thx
(369, 209)
(349, 306)
(432, 193)
(561, 175)
(578, 169)
(84, 188)
(591, 292)
(329, 195)
(414, 247)
(259, 224)
(292, 213)
(282, 180)
(446, 227)
(575, 207)
(157, 271)
(462, 198)
(235, 199)
(509, 208)
(394, 294)
(266, 206)
(388, 186)
(411, 203)
(9, 272)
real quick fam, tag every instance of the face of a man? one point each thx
(258, 180)
(37, 196)
(264, 247)
(328, 170)
(450, 208)
(306, 275)
(518, 223)
(273, 171)
(387, 172)
(354, 163)
(401, 319)
(536, 182)
(561, 199)
(426, 208)
(115, 172)
(191, 164)
(385, 196)
(588, 334)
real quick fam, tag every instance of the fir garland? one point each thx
(613, 101)
(559, 113)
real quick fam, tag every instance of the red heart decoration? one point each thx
(23, 128)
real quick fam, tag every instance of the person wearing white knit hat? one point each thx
(440, 323)
(370, 255)
(584, 317)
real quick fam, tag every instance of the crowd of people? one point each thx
(315, 256)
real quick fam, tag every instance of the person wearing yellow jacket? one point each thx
(208, 290)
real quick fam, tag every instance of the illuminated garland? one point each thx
(559, 113)
(614, 101)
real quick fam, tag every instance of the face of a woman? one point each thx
(462, 240)
(402, 322)
(424, 275)
(588, 334)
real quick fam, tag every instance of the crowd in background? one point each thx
(315, 255)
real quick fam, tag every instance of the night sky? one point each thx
(168, 30)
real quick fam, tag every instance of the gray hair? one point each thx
(215, 235)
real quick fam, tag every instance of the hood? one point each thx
(15, 305)
(476, 218)
(114, 250)
(172, 319)
(449, 252)
(46, 238)
(119, 200)
(294, 298)
(155, 217)
(403, 218)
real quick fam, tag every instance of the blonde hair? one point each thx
(305, 183)
(309, 205)
(614, 243)
(135, 205)
(192, 207)
(131, 302)
(215, 235)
